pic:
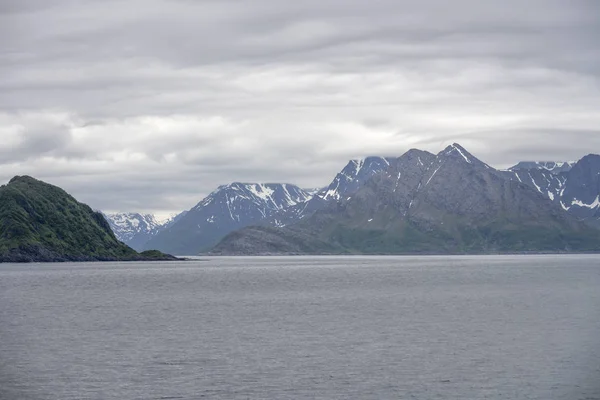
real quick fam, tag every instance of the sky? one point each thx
(149, 105)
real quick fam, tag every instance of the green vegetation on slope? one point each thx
(41, 222)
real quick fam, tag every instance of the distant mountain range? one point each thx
(445, 203)
(135, 230)
(235, 206)
(417, 203)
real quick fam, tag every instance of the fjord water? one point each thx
(497, 327)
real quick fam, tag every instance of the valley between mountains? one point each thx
(418, 203)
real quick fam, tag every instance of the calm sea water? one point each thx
(516, 327)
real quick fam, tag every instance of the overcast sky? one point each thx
(148, 105)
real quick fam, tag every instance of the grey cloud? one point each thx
(36, 140)
(149, 105)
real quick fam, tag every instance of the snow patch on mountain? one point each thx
(455, 147)
(592, 205)
(126, 225)
(356, 173)
(135, 229)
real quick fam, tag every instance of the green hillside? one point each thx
(41, 222)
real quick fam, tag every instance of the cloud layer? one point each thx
(149, 105)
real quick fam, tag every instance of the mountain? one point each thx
(42, 223)
(424, 203)
(235, 206)
(345, 183)
(548, 183)
(135, 229)
(575, 186)
(353, 176)
(555, 167)
(228, 208)
(581, 193)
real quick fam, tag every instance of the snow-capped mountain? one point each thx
(237, 205)
(575, 186)
(581, 192)
(548, 183)
(547, 177)
(127, 225)
(345, 183)
(228, 208)
(556, 167)
(404, 181)
(450, 202)
(135, 229)
(353, 176)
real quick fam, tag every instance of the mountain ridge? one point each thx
(227, 208)
(576, 189)
(555, 167)
(453, 203)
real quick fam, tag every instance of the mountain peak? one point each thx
(354, 174)
(594, 158)
(355, 166)
(421, 157)
(457, 150)
(417, 152)
(23, 178)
